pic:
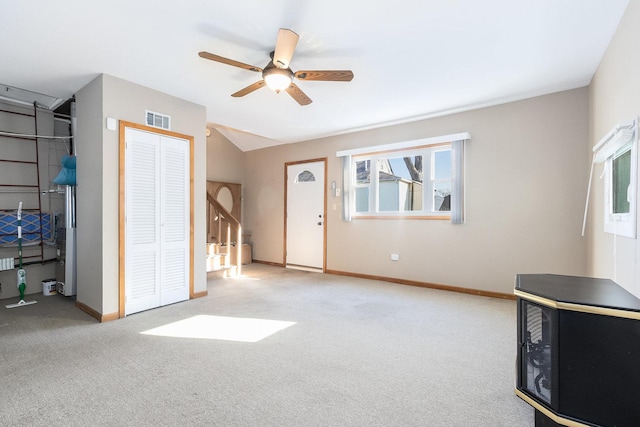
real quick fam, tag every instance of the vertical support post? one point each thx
(239, 250)
(35, 118)
(208, 221)
(227, 260)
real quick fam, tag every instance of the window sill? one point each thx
(421, 217)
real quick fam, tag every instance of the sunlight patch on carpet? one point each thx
(221, 328)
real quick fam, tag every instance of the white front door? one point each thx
(305, 215)
(157, 220)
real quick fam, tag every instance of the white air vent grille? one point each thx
(158, 120)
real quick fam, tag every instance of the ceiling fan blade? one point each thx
(285, 45)
(247, 90)
(325, 75)
(223, 60)
(300, 97)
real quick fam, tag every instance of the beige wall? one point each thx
(525, 180)
(225, 161)
(614, 96)
(89, 195)
(98, 189)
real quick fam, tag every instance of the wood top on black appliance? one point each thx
(584, 291)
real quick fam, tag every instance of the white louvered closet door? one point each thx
(174, 229)
(156, 220)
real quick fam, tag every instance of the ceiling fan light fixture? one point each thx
(277, 75)
(277, 79)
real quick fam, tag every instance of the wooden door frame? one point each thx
(324, 213)
(121, 207)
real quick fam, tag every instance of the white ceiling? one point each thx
(412, 59)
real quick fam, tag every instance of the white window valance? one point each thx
(406, 144)
(617, 138)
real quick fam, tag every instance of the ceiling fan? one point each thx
(277, 75)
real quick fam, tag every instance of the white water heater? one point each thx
(66, 271)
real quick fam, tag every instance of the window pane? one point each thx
(305, 176)
(362, 199)
(442, 196)
(442, 165)
(400, 184)
(388, 196)
(621, 178)
(363, 172)
(409, 167)
(441, 174)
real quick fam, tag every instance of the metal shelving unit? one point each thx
(31, 187)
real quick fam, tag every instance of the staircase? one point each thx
(219, 261)
(223, 257)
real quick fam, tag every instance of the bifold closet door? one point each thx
(174, 220)
(156, 220)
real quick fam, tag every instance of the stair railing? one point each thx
(232, 222)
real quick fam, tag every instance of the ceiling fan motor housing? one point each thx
(277, 78)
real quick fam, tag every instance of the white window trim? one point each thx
(457, 142)
(622, 136)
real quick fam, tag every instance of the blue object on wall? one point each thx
(30, 228)
(67, 175)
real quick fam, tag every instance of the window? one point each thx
(618, 151)
(441, 178)
(419, 179)
(621, 183)
(305, 176)
(394, 183)
(620, 176)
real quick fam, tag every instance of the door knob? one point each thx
(319, 223)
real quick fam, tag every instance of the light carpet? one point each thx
(276, 347)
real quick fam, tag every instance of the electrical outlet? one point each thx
(395, 257)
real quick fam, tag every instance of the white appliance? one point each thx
(66, 271)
